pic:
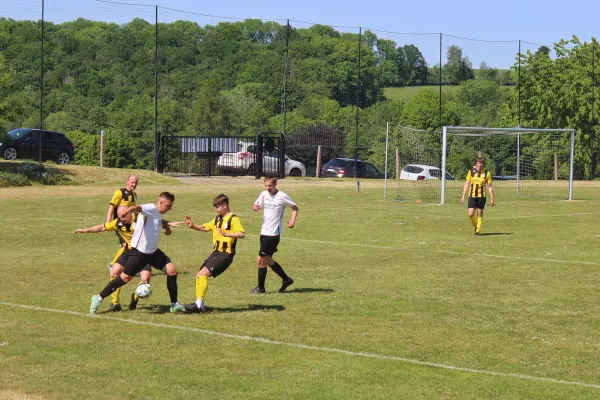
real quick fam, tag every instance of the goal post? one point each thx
(431, 165)
(529, 162)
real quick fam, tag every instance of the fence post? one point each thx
(102, 148)
(397, 163)
(318, 172)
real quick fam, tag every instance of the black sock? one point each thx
(172, 287)
(279, 271)
(262, 276)
(111, 287)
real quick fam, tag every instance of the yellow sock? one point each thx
(201, 287)
(479, 221)
(115, 295)
(473, 221)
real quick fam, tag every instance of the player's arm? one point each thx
(466, 187)
(258, 204)
(123, 211)
(236, 235)
(110, 213)
(292, 221)
(175, 224)
(236, 228)
(189, 223)
(114, 202)
(92, 229)
(490, 191)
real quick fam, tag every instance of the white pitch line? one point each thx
(315, 348)
(458, 253)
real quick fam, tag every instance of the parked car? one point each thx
(244, 162)
(418, 172)
(344, 168)
(25, 143)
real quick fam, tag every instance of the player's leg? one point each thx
(480, 207)
(268, 246)
(472, 205)
(201, 288)
(145, 275)
(108, 290)
(215, 265)
(160, 261)
(262, 275)
(115, 271)
(479, 219)
(285, 280)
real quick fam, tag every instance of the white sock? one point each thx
(199, 303)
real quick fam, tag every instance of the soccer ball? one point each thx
(144, 290)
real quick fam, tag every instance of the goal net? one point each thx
(524, 163)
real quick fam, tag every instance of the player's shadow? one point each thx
(164, 309)
(156, 272)
(495, 233)
(309, 290)
(249, 307)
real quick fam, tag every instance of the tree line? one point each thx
(242, 78)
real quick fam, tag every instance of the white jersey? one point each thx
(147, 231)
(273, 207)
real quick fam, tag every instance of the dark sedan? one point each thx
(347, 167)
(26, 142)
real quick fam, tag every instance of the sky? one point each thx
(494, 28)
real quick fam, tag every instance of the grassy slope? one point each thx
(408, 93)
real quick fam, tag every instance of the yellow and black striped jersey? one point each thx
(229, 223)
(123, 197)
(478, 181)
(125, 231)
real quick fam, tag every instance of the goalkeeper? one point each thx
(478, 180)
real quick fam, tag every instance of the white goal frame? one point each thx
(483, 131)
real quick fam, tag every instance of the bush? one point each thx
(9, 179)
(23, 174)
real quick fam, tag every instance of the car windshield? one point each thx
(18, 133)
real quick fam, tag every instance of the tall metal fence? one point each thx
(189, 74)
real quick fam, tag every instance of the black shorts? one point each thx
(125, 255)
(268, 245)
(217, 262)
(477, 202)
(135, 261)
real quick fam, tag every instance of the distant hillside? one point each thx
(409, 92)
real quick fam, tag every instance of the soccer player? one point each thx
(144, 250)
(124, 229)
(122, 197)
(475, 184)
(227, 229)
(273, 202)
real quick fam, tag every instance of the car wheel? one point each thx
(252, 170)
(295, 172)
(10, 153)
(63, 158)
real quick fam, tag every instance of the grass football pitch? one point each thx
(390, 301)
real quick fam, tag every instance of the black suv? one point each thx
(25, 143)
(344, 168)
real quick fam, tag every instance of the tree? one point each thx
(555, 94)
(417, 73)
(457, 68)
(487, 73)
